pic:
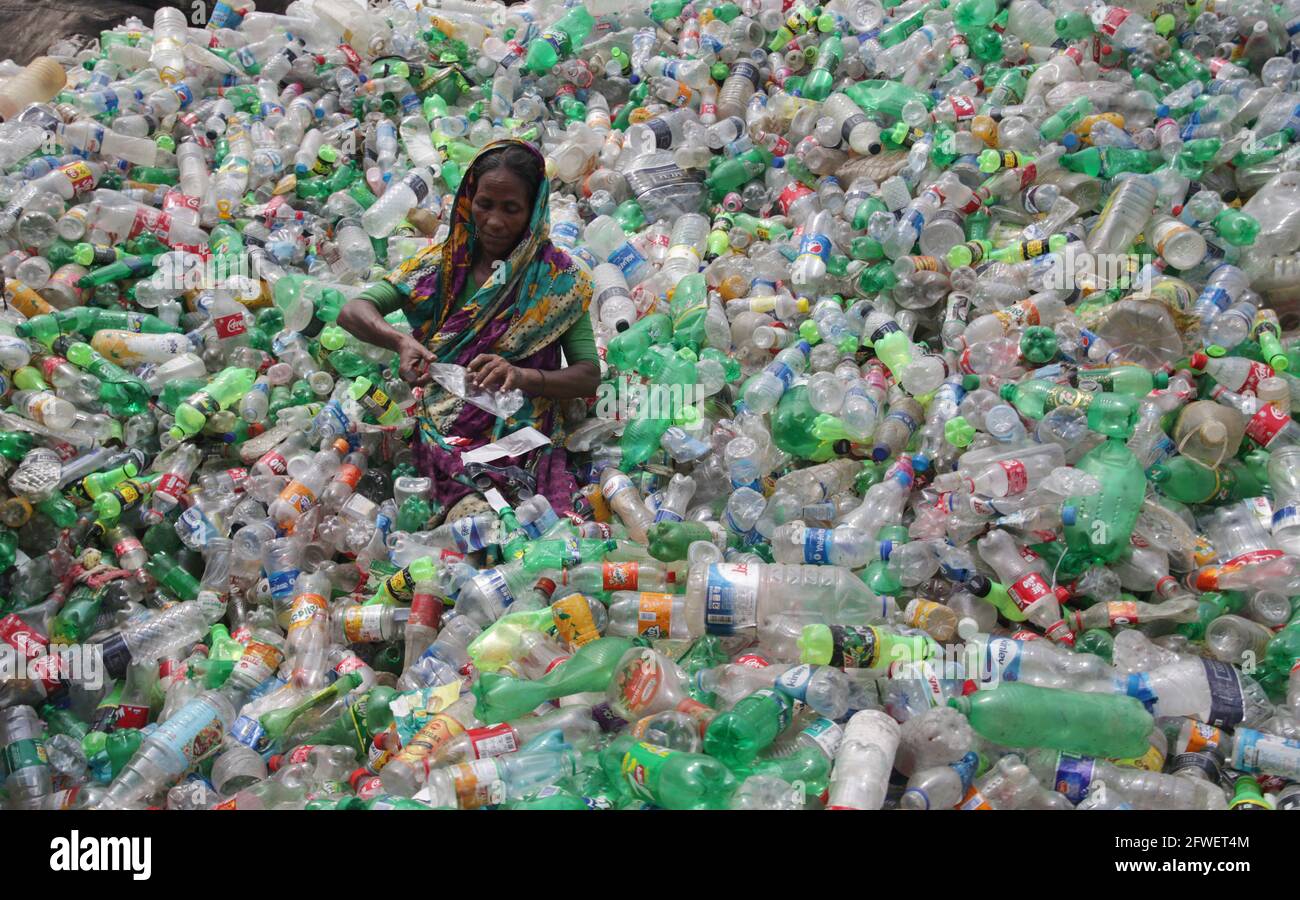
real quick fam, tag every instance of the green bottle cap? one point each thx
(958, 432)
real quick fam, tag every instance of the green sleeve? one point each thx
(579, 342)
(385, 296)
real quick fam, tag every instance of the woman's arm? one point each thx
(362, 319)
(492, 372)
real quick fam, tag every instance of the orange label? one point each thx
(655, 618)
(304, 610)
(974, 800)
(921, 613)
(298, 495)
(1203, 737)
(349, 475)
(26, 300)
(620, 576)
(573, 620)
(437, 732)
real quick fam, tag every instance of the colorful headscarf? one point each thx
(530, 301)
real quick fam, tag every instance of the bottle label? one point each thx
(851, 123)
(229, 326)
(298, 495)
(189, 736)
(1115, 17)
(574, 621)
(793, 193)
(854, 646)
(783, 705)
(641, 768)
(426, 610)
(435, 734)
(744, 69)
(467, 535)
(817, 544)
(662, 131)
(1073, 775)
(1253, 751)
(477, 784)
(794, 682)
(1122, 612)
(281, 583)
(172, 485)
(258, 662)
(638, 684)
(1017, 477)
(1003, 657)
(731, 598)
(827, 734)
(921, 612)
(494, 741)
(363, 624)
(1227, 699)
(23, 754)
(1028, 590)
(619, 576)
(974, 800)
(655, 615)
(1266, 423)
(305, 609)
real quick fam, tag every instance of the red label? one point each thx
(151, 220)
(621, 576)
(1122, 612)
(1017, 478)
(426, 610)
(80, 175)
(129, 716)
(174, 199)
(1266, 423)
(1114, 19)
(172, 485)
(238, 476)
(792, 194)
(352, 57)
(962, 107)
(752, 661)
(1257, 373)
(494, 741)
(230, 326)
(275, 462)
(1028, 590)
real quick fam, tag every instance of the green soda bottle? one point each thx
(277, 722)
(792, 427)
(1021, 715)
(669, 541)
(1137, 381)
(805, 760)
(626, 349)
(168, 573)
(1113, 415)
(76, 620)
(1098, 526)
(1184, 479)
(591, 667)
(670, 779)
(1061, 121)
(742, 732)
(222, 392)
(690, 306)
(861, 646)
(559, 41)
(817, 86)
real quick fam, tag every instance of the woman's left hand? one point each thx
(494, 373)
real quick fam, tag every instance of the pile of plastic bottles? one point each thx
(944, 455)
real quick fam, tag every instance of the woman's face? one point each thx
(501, 211)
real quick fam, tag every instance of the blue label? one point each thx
(1139, 686)
(1073, 775)
(719, 603)
(465, 532)
(282, 582)
(817, 543)
(1002, 659)
(627, 258)
(782, 373)
(816, 245)
(794, 682)
(249, 732)
(187, 737)
(667, 515)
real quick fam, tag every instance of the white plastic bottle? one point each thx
(864, 761)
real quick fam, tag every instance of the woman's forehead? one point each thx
(502, 182)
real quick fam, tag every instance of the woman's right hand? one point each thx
(414, 360)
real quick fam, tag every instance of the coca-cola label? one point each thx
(1028, 590)
(1266, 423)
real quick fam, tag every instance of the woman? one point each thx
(498, 298)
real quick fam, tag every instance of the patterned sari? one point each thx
(520, 313)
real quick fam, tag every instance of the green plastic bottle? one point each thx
(742, 732)
(1113, 415)
(1184, 479)
(221, 392)
(1098, 526)
(591, 667)
(1021, 715)
(626, 349)
(670, 779)
(559, 41)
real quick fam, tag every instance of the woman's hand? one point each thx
(494, 373)
(413, 361)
